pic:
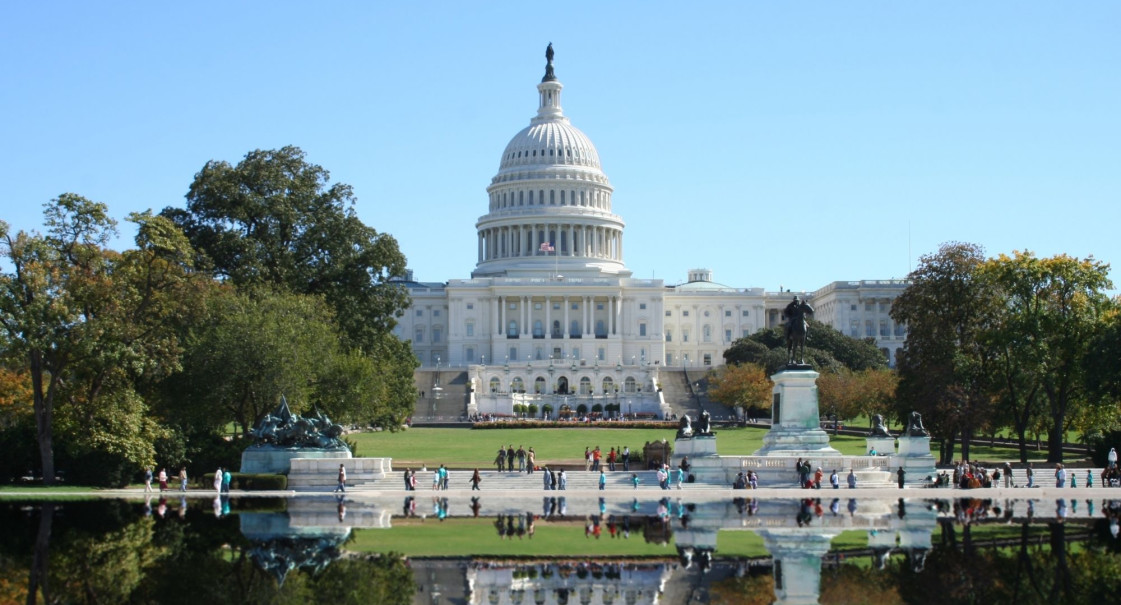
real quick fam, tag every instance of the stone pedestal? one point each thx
(795, 418)
(915, 458)
(278, 460)
(694, 447)
(796, 563)
(884, 446)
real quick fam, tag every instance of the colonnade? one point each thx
(585, 314)
(571, 239)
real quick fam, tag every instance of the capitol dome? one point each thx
(550, 202)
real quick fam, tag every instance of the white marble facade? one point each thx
(550, 281)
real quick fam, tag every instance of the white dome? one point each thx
(553, 142)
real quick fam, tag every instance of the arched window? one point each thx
(585, 386)
(629, 385)
(494, 384)
(539, 385)
(557, 332)
(517, 385)
(608, 385)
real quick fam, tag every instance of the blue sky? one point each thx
(774, 143)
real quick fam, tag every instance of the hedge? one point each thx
(242, 481)
(528, 423)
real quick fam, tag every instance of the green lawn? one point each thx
(469, 448)
(479, 537)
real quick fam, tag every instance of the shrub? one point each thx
(533, 410)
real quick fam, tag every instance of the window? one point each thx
(608, 385)
(513, 354)
(727, 313)
(494, 384)
(883, 307)
(436, 334)
(642, 306)
(685, 314)
(744, 313)
(436, 313)
(538, 329)
(585, 386)
(556, 306)
(642, 329)
(669, 335)
(727, 336)
(629, 385)
(419, 335)
(708, 359)
(512, 328)
(669, 359)
(707, 333)
(599, 306)
(512, 306)
(706, 313)
(601, 354)
(575, 306)
(536, 306)
(854, 329)
(869, 331)
(745, 334)
(576, 353)
(601, 329)
(684, 336)
(884, 333)
(419, 313)
(869, 306)
(470, 306)
(574, 329)
(669, 313)
(517, 385)
(852, 307)
(900, 330)
(469, 354)
(470, 328)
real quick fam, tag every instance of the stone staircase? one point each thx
(676, 393)
(449, 403)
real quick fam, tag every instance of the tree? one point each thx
(253, 350)
(943, 366)
(741, 385)
(850, 394)
(1053, 308)
(275, 219)
(87, 322)
(826, 348)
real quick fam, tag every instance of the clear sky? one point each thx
(788, 144)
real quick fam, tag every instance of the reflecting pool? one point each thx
(560, 550)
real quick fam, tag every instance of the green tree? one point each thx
(849, 394)
(87, 322)
(943, 367)
(275, 219)
(826, 348)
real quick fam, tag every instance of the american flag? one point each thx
(546, 247)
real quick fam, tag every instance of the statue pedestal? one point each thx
(795, 419)
(915, 458)
(269, 460)
(884, 446)
(694, 447)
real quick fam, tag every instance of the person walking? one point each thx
(1060, 476)
(436, 478)
(1008, 482)
(562, 480)
(587, 459)
(626, 458)
(183, 479)
(1089, 478)
(218, 481)
(162, 477)
(634, 480)
(834, 480)
(412, 481)
(510, 454)
(501, 459)
(227, 478)
(545, 476)
(406, 479)
(444, 475)
(602, 480)
(852, 479)
(521, 459)
(531, 461)
(341, 487)
(475, 480)
(901, 474)
(1111, 457)
(1031, 476)
(147, 479)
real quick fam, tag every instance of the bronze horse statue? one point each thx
(796, 328)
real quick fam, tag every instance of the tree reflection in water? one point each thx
(983, 552)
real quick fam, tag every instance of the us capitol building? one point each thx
(551, 308)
